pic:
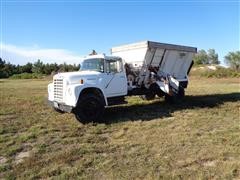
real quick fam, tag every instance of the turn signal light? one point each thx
(81, 81)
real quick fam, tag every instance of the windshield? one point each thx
(92, 65)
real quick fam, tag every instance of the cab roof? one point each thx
(102, 56)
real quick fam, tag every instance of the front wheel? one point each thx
(58, 110)
(90, 108)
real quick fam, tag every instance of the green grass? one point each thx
(27, 76)
(198, 138)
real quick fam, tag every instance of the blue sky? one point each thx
(57, 31)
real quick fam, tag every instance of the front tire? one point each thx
(58, 110)
(90, 108)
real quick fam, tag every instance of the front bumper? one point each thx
(60, 106)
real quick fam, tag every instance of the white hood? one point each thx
(74, 77)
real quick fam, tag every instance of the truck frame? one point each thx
(146, 69)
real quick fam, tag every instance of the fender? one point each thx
(79, 88)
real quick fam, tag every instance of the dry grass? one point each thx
(197, 138)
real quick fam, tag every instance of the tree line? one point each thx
(202, 57)
(7, 69)
(211, 57)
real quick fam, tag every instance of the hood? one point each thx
(74, 77)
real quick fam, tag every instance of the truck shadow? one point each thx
(161, 109)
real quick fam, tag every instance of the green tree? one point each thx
(201, 57)
(233, 59)
(212, 57)
(8, 70)
(38, 67)
(27, 68)
(47, 69)
(2, 63)
(63, 67)
(3, 74)
(54, 67)
(209, 57)
(76, 67)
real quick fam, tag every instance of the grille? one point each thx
(58, 90)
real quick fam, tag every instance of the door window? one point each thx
(113, 66)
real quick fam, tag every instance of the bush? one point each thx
(27, 76)
(221, 73)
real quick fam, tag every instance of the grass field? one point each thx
(197, 138)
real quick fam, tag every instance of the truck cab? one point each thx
(101, 81)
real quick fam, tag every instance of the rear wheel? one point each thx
(169, 99)
(152, 92)
(90, 108)
(160, 93)
(176, 97)
(148, 96)
(181, 92)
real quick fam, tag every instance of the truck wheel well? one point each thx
(97, 92)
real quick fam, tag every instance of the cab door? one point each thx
(115, 78)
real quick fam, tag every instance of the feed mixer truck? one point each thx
(147, 69)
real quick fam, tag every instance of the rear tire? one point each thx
(160, 93)
(169, 99)
(90, 108)
(151, 92)
(176, 97)
(148, 96)
(181, 92)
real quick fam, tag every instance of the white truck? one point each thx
(146, 69)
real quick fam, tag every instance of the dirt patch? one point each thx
(202, 162)
(21, 156)
(212, 67)
(3, 160)
(209, 163)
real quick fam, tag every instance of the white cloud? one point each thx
(22, 55)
